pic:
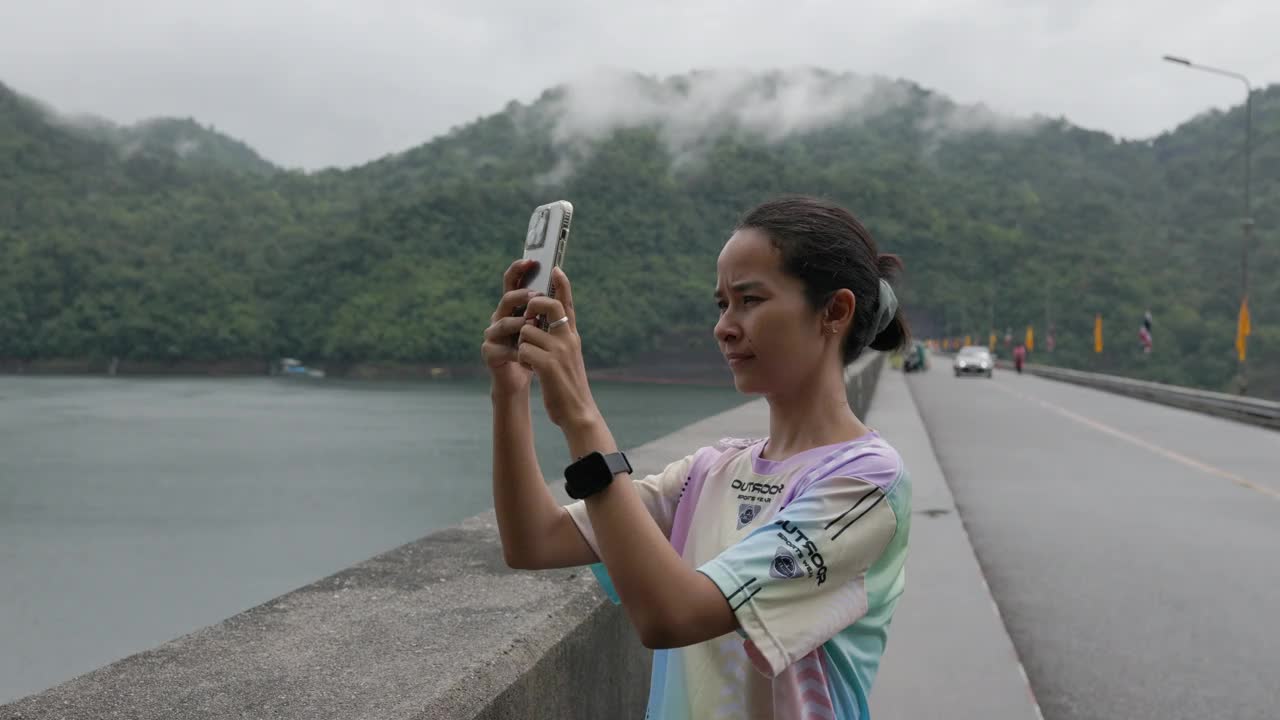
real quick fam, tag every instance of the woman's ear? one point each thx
(840, 307)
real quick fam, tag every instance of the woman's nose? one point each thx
(726, 330)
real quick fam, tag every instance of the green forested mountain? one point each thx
(182, 140)
(165, 255)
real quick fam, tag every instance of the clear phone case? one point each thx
(545, 242)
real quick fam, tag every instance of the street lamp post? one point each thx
(1247, 223)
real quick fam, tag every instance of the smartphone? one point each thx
(545, 242)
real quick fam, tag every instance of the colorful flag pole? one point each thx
(991, 341)
(1097, 333)
(1031, 339)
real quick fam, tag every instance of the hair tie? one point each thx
(888, 307)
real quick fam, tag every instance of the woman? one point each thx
(784, 554)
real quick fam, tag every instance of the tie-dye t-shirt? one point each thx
(809, 553)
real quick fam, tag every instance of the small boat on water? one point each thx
(294, 368)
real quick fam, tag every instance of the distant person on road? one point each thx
(1019, 357)
(765, 572)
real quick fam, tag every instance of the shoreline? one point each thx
(709, 375)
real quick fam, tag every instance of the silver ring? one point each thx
(562, 321)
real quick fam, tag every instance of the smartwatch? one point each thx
(592, 473)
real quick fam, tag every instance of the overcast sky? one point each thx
(310, 83)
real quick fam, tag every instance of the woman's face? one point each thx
(767, 331)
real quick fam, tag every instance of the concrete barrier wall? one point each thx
(860, 380)
(437, 628)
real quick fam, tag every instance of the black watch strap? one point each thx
(592, 473)
(618, 463)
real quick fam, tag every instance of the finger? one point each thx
(510, 302)
(515, 273)
(532, 356)
(531, 334)
(548, 307)
(564, 293)
(497, 354)
(503, 329)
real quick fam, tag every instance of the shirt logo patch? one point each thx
(784, 565)
(746, 513)
(757, 488)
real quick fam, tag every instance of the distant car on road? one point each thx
(973, 360)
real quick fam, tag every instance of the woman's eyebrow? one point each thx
(741, 287)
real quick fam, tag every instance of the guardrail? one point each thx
(1254, 411)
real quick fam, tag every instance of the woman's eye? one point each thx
(746, 300)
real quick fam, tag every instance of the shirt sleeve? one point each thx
(796, 582)
(660, 494)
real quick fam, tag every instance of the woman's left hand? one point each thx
(555, 356)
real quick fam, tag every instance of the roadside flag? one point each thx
(968, 340)
(1097, 333)
(1244, 328)
(991, 341)
(1031, 339)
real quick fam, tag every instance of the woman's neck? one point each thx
(811, 415)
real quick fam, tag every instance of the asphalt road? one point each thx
(1133, 548)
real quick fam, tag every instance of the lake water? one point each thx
(133, 511)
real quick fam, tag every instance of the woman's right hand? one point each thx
(500, 338)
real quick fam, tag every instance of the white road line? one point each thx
(1147, 445)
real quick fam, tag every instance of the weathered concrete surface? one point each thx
(438, 628)
(949, 655)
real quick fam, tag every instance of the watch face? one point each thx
(589, 471)
(593, 473)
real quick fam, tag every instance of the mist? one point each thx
(689, 112)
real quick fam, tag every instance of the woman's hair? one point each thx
(827, 248)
